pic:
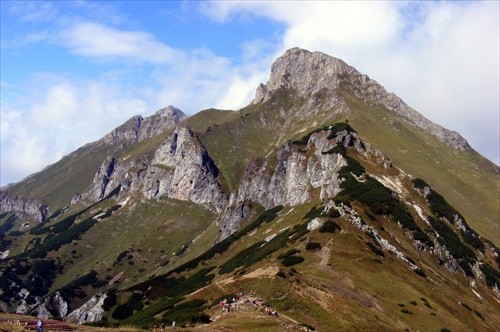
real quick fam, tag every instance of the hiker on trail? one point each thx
(155, 327)
(173, 325)
(39, 326)
(162, 327)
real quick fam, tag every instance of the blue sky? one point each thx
(71, 71)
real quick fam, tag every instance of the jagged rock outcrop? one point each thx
(101, 180)
(315, 76)
(137, 128)
(53, 306)
(89, 312)
(23, 207)
(181, 168)
(291, 181)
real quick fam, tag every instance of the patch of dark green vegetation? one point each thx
(169, 286)
(313, 246)
(478, 314)
(314, 213)
(288, 253)
(457, 248)
(330, 226)
(74, 288)
(444, 329)
(54, 243)
(42, 276)
(167, 289)
(333, 213)
(466, 306)
(420, 184)
(281, 274)
(190, 312)
(400, 214)
(375, 249)
(4, 243)
(181, 250)
(60, 226)
(145, 316)
(121, 256)
(262, 249)
(491, 276)
(126, 309)
(110, 301)
(440, 207)
(244, 258)
(56, 214)
(292, 260)
(8, 223)
(110, 211)
(427, 305)
(222, 246)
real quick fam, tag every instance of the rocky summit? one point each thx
(326, 204)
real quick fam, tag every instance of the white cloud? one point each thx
(62, 117)
(103, 42)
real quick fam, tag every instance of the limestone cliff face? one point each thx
(181, 168)
(91, 311)
(23, 207)
(316, 76)
(290, 180)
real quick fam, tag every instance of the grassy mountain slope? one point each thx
(458, 175)
(346, 282)
(384, 258)
(59, 182)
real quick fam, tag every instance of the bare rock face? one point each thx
(34, 208)
(181, 168)
(89, 312)
(190, 173)
(101, 180)
(314, 75)
(291, 181)
(54, 306)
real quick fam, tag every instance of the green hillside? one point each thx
(399, 230)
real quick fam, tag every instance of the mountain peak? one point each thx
(310, 74)
(304, 71)
(137, 128)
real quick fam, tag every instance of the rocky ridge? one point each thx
(181, 168)
(316, 76)
(137, 128)
(24, 207)
(131, 132)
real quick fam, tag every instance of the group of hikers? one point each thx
(227, 305)
(162, 327)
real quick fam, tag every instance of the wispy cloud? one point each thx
(103, 42)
